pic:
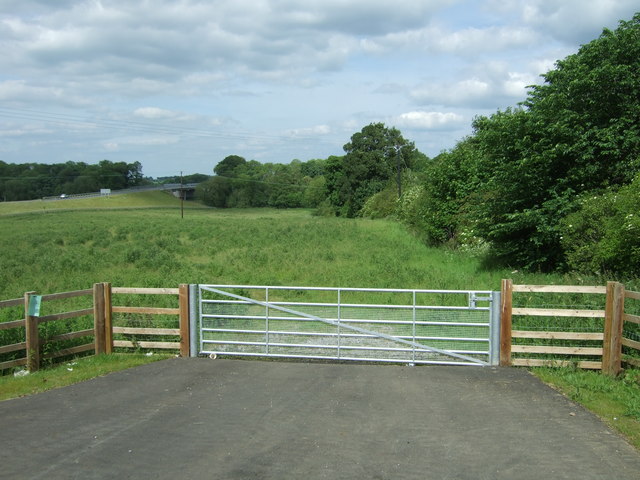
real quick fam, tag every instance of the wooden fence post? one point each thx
(99, 318)
(183, 296)
(613, 322)
(32, 338)
(108, 319)
(505, 322)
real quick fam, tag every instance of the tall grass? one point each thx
(156, 248)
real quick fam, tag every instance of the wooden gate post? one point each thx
(613, 322)
(183, 297)
(32, 338)
(505, 322)
(108, 319)
(99, 318)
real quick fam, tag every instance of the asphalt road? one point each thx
(234, 419)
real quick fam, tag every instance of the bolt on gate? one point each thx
(450, 327)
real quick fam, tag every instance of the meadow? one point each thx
(65, 245)
(58, 251)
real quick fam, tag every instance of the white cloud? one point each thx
(202, 80)
(143, 140)
(470, 91)
(471, 41)
(515, 85)
(310, 131)
(576, 21)
(22, 92)
(153, 112)
(427, 120)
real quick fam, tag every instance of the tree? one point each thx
(578, 132)
(315, 191)
(285, 186)
(229, 166)
(214, 192)
(373, 156)
(450, 181)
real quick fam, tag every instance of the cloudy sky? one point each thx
(179, 85)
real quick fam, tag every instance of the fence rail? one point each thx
(29, 351)
(564, 343)
(134, 336)
(631, 326)
(37, 337)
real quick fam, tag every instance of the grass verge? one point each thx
(157, 199)
(71, 372)
(615, 400)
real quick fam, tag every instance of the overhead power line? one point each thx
(65, 119)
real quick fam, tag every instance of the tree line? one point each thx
(552, 184)
(29, 181)
(239, 183)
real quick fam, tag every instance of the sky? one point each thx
(179, 85)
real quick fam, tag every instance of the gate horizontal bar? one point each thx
(352, 305)
(343, 335)
(349, 289)
(330, 347)
(346, 320)
(354, 359)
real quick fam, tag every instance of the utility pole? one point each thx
(399, 171)
(181, 197)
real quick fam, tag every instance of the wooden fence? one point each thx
(36, 346)
(601, 348)
(632, 320)
(609, 338)
(182, 310)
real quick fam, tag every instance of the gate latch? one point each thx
(474, 298)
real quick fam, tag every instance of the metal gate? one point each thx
(450, 327)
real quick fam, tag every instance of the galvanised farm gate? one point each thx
(451, 327)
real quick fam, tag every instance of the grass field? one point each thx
(141, 241)
(152, 199)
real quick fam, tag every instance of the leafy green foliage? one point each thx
(382, 204)
(512, 183)
(230, 166)
(450, 181)
(243, 184)
(191, 178)
(603, 235)
(214, 192)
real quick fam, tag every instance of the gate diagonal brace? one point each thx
(391, 338)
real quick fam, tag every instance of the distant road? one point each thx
(174, 187)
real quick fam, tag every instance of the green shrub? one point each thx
(602, 236)
(382, 204)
